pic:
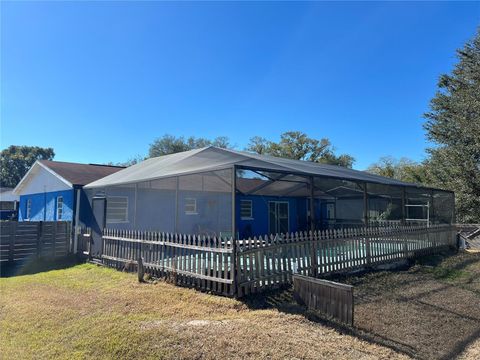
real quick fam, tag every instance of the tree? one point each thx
(453, 124)
(169, 144)
(15, 161)
(404, 169)
(297, 145)
(258, 145)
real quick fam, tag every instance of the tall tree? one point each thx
(297, 145)
(169, 144)
(15, 161)
(258, 145)
(403, 169)
(453, 123)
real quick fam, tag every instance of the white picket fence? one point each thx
(247, 266)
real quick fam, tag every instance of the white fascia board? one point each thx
(19, 186)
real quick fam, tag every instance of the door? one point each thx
(98, 209)
(278, 217)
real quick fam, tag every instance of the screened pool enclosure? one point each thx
(219, 192)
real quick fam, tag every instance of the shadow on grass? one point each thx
(394, 305)
(33, 266)
(283, 300)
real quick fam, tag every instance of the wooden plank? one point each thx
(331, 298)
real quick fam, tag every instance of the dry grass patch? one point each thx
(93, 312)
(431, 311)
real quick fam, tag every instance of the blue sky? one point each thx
(99, 81)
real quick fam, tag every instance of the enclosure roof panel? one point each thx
(213, 158)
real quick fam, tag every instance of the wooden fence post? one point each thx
(140, 269)
(367, 247)
(162, 255)
(313, 248)
(235, 262)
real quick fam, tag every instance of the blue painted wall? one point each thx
(44, 206)
(298, 218)
(258, 225)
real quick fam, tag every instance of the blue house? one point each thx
(52, 190)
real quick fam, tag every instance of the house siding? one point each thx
(44, 206)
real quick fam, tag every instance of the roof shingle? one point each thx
(80, 174)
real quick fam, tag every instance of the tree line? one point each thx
(452, 124)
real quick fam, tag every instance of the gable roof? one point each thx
(213, 158)
(72, 174)
(80, 174)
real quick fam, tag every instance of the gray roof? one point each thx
(213, 158)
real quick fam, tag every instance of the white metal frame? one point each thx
(59, 211)
(276, 202)
(28, 210)
(107, 220)
(250, 217)
(427, 205)
(194, 203)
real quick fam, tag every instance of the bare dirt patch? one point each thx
(429, 311)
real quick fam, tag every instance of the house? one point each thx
(214, 191)
(52, 190)
(8, 203)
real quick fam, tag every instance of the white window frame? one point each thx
(28, 210)
(192, 211)
(244, 201)
(115, 221)
(276, 202)
(59, 209)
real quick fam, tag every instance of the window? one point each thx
(7, 205)
(246, 209)
(117, 209)
(190, 206)
(28, 211)
(59, 207)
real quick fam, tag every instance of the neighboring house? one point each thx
(8, 204)
(52, 190)
(213, 191)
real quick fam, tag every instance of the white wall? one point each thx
(41, 180)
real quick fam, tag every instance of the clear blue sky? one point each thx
(99, 81)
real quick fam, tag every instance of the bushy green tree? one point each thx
(15, 161)
(169, 144)
(404, 169)
(299, 146)
(453, 124)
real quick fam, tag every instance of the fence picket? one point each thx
(265, 262)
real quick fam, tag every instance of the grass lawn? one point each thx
(86, 311)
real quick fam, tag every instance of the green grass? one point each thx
(87, 311)
(454, 270)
